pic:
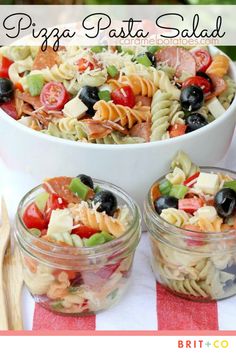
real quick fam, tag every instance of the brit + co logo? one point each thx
(203, 344)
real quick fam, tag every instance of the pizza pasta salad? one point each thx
(115, 95)
(191, 217)
(77, 238)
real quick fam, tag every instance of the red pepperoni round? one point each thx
(179, 59)
(143, 100)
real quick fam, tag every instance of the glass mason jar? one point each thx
(78, 280)
(198, 266)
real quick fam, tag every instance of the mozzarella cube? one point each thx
(60, 221)
(207, 212)
(75, 108)
(208, 183)
(215, 107)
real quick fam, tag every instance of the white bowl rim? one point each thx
(142, 146)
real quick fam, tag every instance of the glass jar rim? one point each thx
(178, 231)
(98, 250)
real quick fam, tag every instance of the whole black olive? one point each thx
(191, 98)
(152, 58)
(87, 180)
(195, 121)
(107, 201)
(225, 202)
(165, 202)
(89, 96)
(205, 76)
(6, 90)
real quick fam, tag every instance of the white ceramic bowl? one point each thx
(132, 167)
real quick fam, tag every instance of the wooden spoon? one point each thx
(4, 240)
(13, 279)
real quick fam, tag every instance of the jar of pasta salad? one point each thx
(192, 230)
(77, 238)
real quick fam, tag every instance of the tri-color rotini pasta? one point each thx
(118, 85)
(191, 216)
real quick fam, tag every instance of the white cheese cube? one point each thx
(207, 212)
(215, 107)
(75, 108)
(61, 221)
(208, 183)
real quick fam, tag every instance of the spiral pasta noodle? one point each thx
(117, 138)
(59, 287)
(38, 282)
(53, 130)
(92, 78)
(182, 161)
(175, 216)
(16, 53)
(208, 226)
(139, 84)
(67, 125)
(227, 96)
(124, 115)
(188, 287)
(19, 67)
(176, 114)
(159, 78)
(160, 109)
(177, 176)
(60, 73)
(219, 65)
(99, 221)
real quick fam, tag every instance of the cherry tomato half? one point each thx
(84, 231)
(203, 59)
(6, 63)
(54, 202)
(123, 96)
(33, 218)
(198, 81)
(54, 96)
(10, 109)
(84, 64)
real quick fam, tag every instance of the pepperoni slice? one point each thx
(141, 130)
(115, 126)
(143, 100)
(95, 129)
(45, 59)
(219, 86)
(26, 97)
(178, 58)
(59, 186)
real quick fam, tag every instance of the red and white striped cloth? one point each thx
(146, 305)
